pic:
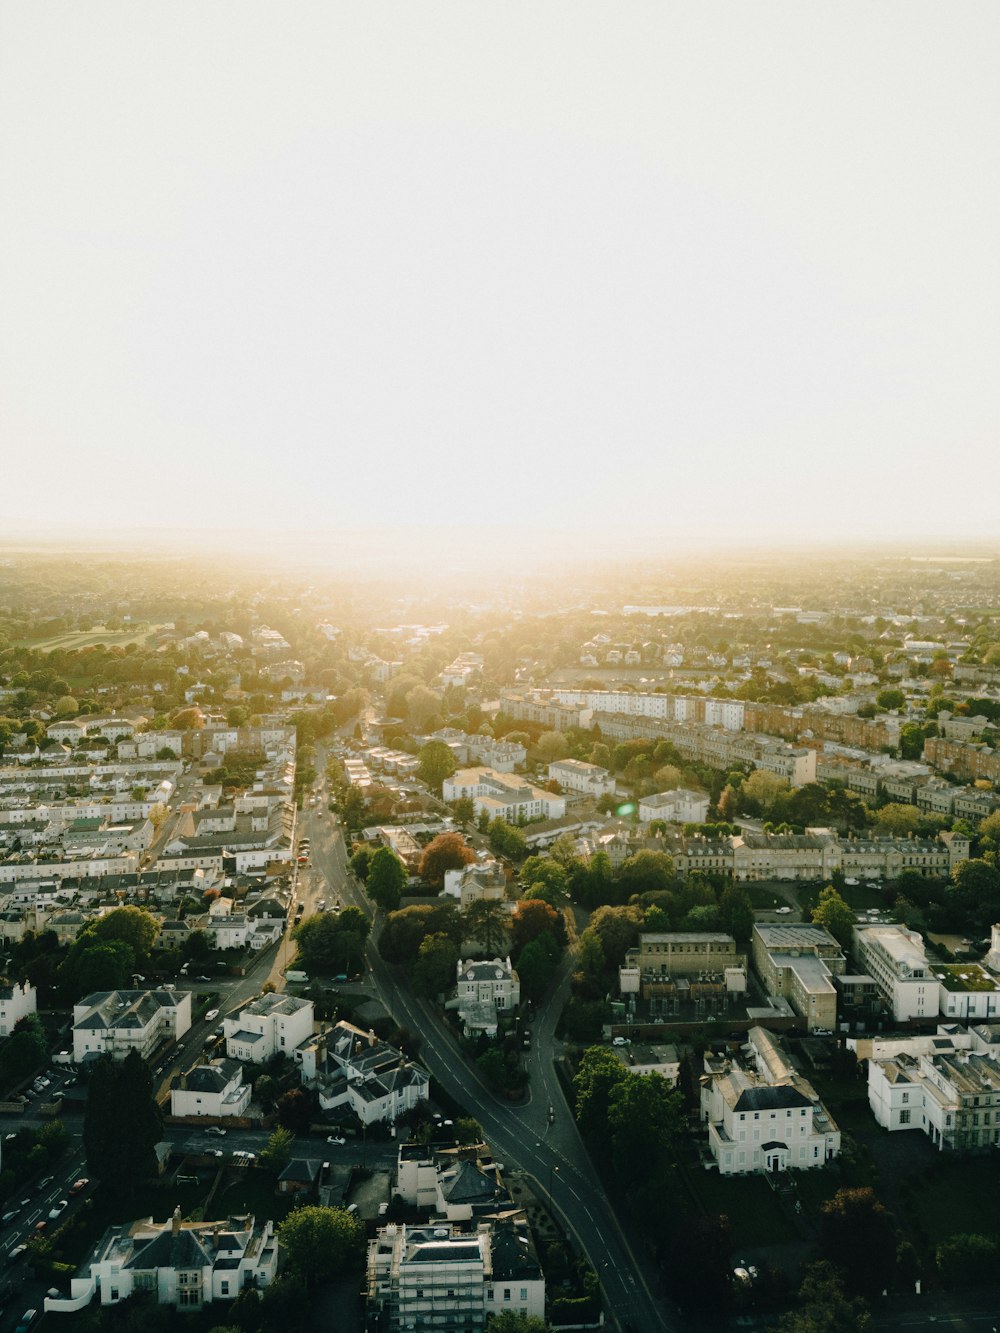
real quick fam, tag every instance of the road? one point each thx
(521, 1137)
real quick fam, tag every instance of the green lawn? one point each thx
(764, 899)
(74, 639)
(755, 1215)
(955, 1196)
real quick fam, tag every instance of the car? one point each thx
(59, 1207)
(18, 1250)
(214, 1152)
(27, 1319)
(782, 911)
(619, 1041)
(41, 1226)
(212, 1013)
(215, 1129)
(8, 1217)
(242, 1155)
(335, 1138)
(7, 1137)
(79, 1185)
(335, 907)
(321, 905)
(45, 1182)
(203, 978)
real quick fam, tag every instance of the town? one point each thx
(621, 952)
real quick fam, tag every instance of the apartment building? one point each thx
(439, 1279)
(963, 759)
(762, 1115)
(503, 796)
(352, 1070)
(485, 991)
(269, 1025)
(893, 956)
(577, 776)
(117, 1022)
(799, 962)
(545, 710)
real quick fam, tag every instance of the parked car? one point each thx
(782, 911)
(212, 1013)
(215, 1129)
(335, 1138)
(79, 1185)
(58, 1208)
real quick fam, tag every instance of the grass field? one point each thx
(89, 638)
(755, 1215)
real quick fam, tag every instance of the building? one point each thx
(679, 806)
(437, 1277)
(485, 992)
(352, 1070)
(893, 956)
(577, 776)
(187, 1264)
(474, 882)
(17, 1001)
(269, 1025)
(117, 1022)
(545, 710)
(762, 1115)
(215, 1090)
(799, 963)
(952, 1095)
(503, 796)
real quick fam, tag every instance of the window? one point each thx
(506, 1293)
(114, 1293)
(524, 1293)
(905, 1098)
(904, 1117)
(224, 1288)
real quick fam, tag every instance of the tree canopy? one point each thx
(320, 1243)
(386, 879)
(448, 851)
(122, 1124)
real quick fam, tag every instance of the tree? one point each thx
(506, 840)
(911, 740)
(386, 879)
(509, 1322)
(465, 810)
(552, 746)
(279, 1149)
(963, 1260)
(760, 791)
(437, 763)
(133, 925)
(487, 921)
(531, 918)
(332, 942)
(404, 930)
(435, 968)
(645, 1117)
(295, 1111)
(360, 862)
(122, 1124)
(23, 1051)
(618, 930)
(832, 912)
(823, 1307)
(899, 819)
(66, 706)
(422, 706)
(599, 1073)
(647, 871)
(856, 1234)
(736, 911)
(448, 851)
(890, 699)
(320, 1243)
(544, 873)
(536, 965)
(97, 967)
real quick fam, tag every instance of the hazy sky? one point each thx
(639, 269)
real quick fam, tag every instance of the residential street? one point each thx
(521, 1136)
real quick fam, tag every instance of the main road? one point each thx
(522, 1137)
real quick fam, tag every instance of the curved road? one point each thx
(521, 1137)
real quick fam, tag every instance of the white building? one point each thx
(588, 779)
(269, 1025)
(762, 1115)
(17, 1001)
(187, 1264)
(479, 880)
(351, 1068)
(119, 1021)
(679, 806)
(502, 795)
(215, 1090)
(440, 1279)
(951, 1094)
(893, 956)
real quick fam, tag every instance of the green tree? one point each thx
(645, 1117)
(448, 851)
(320, 1243)
(598, 1074)
(857, 1235)
(437, 763)
(134, 926)
(899, 819)
(823, 1306)
(386, 879)
(962, 1260)
(360, 863)
(761, 791)
(279, 1149)
(404, 930)
(122, 1124)
(465, 810)
(23, 1051)
(552, 746)
(618, 930)
(890, 699)
(542, 872)
(435, 968)
(506, 840)
(509, 1322)
(647, 871)
(835, 915)
(487, 921)
(536, 965)
(736, 911)
(97, 967)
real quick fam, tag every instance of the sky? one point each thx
(591, 275)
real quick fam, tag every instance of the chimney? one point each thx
(175, 1221)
